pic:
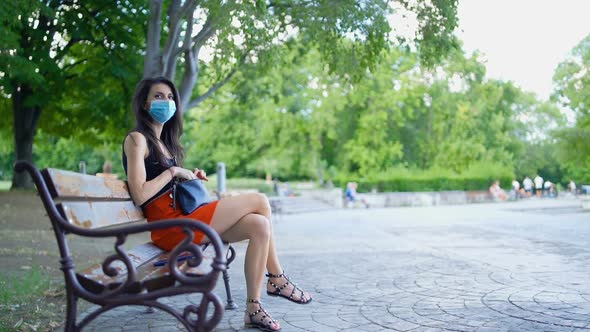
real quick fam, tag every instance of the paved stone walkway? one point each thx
(519, 266)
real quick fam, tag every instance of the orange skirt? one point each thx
(160, 208)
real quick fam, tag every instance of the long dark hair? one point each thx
(144, 122)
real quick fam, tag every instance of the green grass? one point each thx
(29, 301)
(5, 185)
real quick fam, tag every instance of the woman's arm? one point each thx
(136, 150)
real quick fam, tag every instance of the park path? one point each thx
(518, 266)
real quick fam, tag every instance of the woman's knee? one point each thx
(258, 226)
(260, 202)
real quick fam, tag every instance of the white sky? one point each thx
(523, 40)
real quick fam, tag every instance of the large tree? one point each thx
(66, 59)
(572, 90)
(350, 35)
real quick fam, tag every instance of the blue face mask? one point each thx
(162, 110)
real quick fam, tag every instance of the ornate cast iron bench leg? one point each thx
(231, 305)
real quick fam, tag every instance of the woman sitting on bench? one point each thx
(152, 158)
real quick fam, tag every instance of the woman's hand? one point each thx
(200, 174)
(186, 174)
(182, 173)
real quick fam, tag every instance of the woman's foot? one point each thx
(280, 285)
(257, 317)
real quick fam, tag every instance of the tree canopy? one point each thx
(350, 35)
(307, 122)
(572, 81)
(76, 62)
(312, 89)
(69, 66)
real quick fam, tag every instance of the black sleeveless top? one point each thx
(152, 170)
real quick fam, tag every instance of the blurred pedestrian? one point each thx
(497, 192)
(527, 185)
(572, 187)
(352, 196)
(538, 185)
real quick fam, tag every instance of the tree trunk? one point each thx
(163, 62)
(152, 65)
(25, 124)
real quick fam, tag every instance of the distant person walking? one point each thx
(538, 185)
(547, 188)
(516, 191)
(572, 187)
(527, 184)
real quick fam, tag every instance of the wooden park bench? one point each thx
(98, 207)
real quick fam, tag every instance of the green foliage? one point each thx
(56, 49)
(292, 110)
(6, 156)
(299, 121)
(67, 153)
(112, 40)
(275, 132)
(572, 149)
(69, 69)
(435, 34)
(478, 176)
(350, 36)
(571, 79)
(573, 91)
(76, 64)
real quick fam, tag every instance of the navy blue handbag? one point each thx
(189, 195)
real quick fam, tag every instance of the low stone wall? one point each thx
(335, 197)
(396, 199)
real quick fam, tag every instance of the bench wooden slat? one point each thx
(99, 214)
(139, 255)
(143, 258)
(71, 185)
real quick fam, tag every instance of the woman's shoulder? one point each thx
(135, 137)
(135, 141)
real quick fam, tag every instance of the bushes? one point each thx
(478, 177)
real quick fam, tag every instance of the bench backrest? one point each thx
(90, 201)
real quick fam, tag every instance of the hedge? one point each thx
(478, 177)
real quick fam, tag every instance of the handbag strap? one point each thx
(174, 183)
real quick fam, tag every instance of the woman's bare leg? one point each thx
(228, 214)
(273, 266)
(244, 218)
(255, 228)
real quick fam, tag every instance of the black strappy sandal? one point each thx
(264, 324)
(277, 292)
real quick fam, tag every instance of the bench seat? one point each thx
(149, 276)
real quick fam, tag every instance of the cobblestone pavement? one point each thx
(519, 266)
